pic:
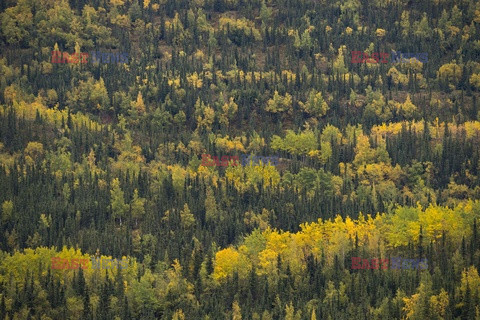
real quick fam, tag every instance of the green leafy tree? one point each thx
(117, 201)
(279, 103)
(16, 22)
(187, 219)
(7, 210)
(137, 207)
(315, 104)
(237, 313)
(421, 28)
(376, 108)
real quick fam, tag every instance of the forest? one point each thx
(102, 161)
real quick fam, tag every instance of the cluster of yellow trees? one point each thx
(382, 233)
(39, 261)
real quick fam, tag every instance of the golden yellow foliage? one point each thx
(244, 25)
(139, 105)
(205, 120)
(19, 264)
(471, 279)
(438, 303)
(174, 82)
(194, 80)
(397, 76)
(336, 237)
(229, 260)
(380, 32)
(450, 72)
(475, 80)
(121, 20)
(54, 116)
(117, 3)
(435, 220)
(384, 130)
(267, 262)
(230, 145)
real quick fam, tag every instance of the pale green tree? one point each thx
(407, 109)
(290, 313)
(315, 104)
(279, 103)
(7, 210)
(265, 14)
(178, 315)
(421, 28)
(137, 206)
(237, 313)
(339, 64)
(117, 200)
(301, 143)
(405, 23)
(211, 211)
(187, 219)
(376, 107)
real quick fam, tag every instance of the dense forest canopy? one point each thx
(102, 159)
